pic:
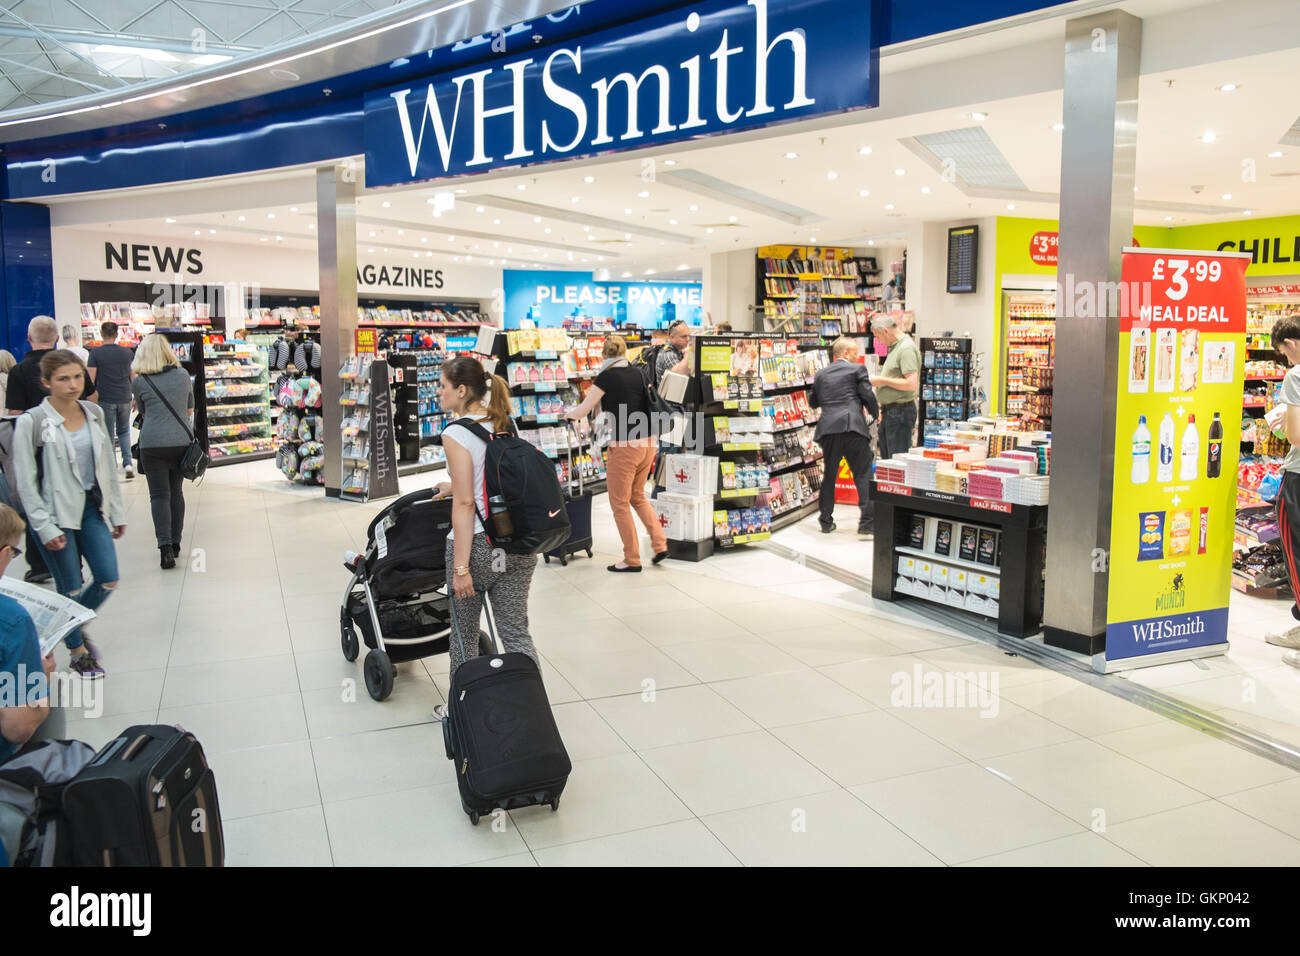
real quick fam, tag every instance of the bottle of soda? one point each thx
(1215, 462)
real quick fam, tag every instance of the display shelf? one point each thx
(783, 519)
(791, 290)
(993, 570)
(236, 387)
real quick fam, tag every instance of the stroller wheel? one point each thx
(351, 647)
(379, 672)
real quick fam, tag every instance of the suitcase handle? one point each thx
(487, 612)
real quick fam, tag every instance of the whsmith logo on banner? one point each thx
(706, 68)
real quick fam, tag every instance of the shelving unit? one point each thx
(367, 430)
(237, 394)
(418, 417)
(823, 296)
(1030, 322)
(949, 370)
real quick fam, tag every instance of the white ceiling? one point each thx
(608, 223)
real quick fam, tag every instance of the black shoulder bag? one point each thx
(195, 460)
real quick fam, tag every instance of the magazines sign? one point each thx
(1178, 414)
(711, 67)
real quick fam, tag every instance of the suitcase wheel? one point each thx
(446, 736)
(473, 817)
(589, 554)
(379, 673)
(351, 647)
(564, 562)
(546, 558)
(555, 804)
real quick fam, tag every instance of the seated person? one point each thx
(24, 676)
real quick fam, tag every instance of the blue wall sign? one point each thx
(707, 68)
(548, 298)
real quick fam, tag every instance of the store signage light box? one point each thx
(712, 67)
(548, 298)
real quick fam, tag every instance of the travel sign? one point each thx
(707, 68)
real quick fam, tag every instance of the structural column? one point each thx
(336, 237)
(1098, 158)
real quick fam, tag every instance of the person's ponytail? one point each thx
(498, 402)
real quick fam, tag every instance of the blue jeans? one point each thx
(94, 542)
(117, 418)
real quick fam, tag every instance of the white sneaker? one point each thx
(130, 473)
(439, 712)
(1290, 639)
(1292, 658)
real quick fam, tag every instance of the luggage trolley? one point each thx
(398, 595)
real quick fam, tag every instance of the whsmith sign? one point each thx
(703, 69)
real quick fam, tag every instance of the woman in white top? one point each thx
(72, 343)
(73, 501)
(474, 566)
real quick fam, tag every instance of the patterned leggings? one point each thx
(506, 578)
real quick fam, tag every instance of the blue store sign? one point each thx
(708, 68)
(548, 298)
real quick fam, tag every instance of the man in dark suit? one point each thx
(842, 390)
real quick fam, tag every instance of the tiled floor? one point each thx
(746, 710)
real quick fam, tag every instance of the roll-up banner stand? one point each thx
(1182, 347)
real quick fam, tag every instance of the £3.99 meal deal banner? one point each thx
(1178, 418)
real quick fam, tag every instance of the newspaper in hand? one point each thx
(53, 614)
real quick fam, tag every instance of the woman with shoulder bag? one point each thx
(621, 392)
(71, 496)
(163, 392)
(474, 569)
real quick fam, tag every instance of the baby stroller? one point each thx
(398, 595)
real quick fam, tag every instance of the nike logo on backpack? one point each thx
(552, 514)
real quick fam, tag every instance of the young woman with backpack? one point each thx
(71, 495)
(474, 566)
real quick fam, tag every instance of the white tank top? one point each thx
(477, 449)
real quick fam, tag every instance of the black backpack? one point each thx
(645, 364)
(524, 478)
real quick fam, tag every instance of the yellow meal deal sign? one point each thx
(1178, 417)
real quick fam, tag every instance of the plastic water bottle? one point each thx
(1191, 459)
(1165, 467)
(1141, 453)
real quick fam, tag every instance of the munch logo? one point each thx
(709, 67)
(1173, 597)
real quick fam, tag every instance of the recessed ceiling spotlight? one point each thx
(170, 219)
(1135, 189)
(401, 232)
(496, 222)
(627, 235)
(865, 151)
(455, 259)
(386, 204)
(1169, 218)
(521, 187)
(731, 219)
(670, 162)
(672, 222)
(461, 192)
(586, 228)
(643, 194)
(261, 239)
(812, 238)
(424, 238)
(627, 211)
(649, 272)
(708, 229)
(832, 175)
(588, 179)
(626, 274)
(1227, 87)
(293, 208)
(1276, 154)
(598, 258)
(241, 218)
(492, 262)
(1058, 127)
(925, 189)
(889, 205)
(864, 193)
(591, 238)
(1011, 205)
(372, 233)
(979, 117)
(478, 208)
(212, 232)
(385, 248)
(496, 245)
(537, 219)
(900, 172)
(791, 155)
(547, 230)
(1208, 136)
(1227, 195)
(1246, 212)
(451, 238)
(682, 266)
(575, 199)
(468, 257)
(693, 208)
(279, 238)
(311, 225)
(270, 215)
(198, 232)
(871, 242)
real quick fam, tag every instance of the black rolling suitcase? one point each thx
(500, 732)
(579, 509)
(147, 799)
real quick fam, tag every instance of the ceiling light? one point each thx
(537, 219)
(372, 234)
(469, 258)
(864, 193)
(451, 238)
(212, 232)
(682, 266)
(261, 239)
(455, 259)
(871, 242)
(1227, 87)
(586, 228)
(670, 162)
(1011, 205)
(709, 229)
(693, 207)
(547, 229)
(1227, 195)
(1135, 189)
(812, 238)
(672, 222)
(731, 219)
(649, 272)
(627, 212)
(925, 189)
(401, 232)
(791, 155)
(598, 258)
(1208, 136)
(1245, 212)
(424, 238)
(279, 238)
(293, 208)
(889, 205)
(385, 204)
(311, 225)
(169, 219)
(832, 175)
(496, 245)
(385, 248)
(979, 117)
(1169, 218)
(643, 194)
(496, 222)
(461, 192)
(588, 179)
(865, 151)
(1058, 127)
(492, 262)
(270, 215)
(198, 232)
(900, 172)
(575, 198)
(627, 235)
(1276, 154)
(626, 274)
(521, 187)
(478, 208)
(241, 218)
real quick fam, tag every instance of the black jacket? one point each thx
(841, 390)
